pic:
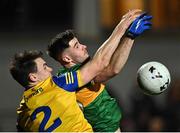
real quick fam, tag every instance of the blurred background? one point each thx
(30, 24)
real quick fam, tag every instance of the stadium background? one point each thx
(30, 24)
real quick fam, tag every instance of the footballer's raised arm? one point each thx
(103, 55)
(120, 56)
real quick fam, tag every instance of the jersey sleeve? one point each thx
(69, 81)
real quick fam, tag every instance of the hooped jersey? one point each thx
(51, 106)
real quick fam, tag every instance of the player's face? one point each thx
(77, 51)
(43, 70)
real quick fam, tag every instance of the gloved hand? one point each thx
(139, 25)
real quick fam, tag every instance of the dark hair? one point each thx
(59, 43)
(22, 64)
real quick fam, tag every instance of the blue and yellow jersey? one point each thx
(51, 106)
(100, 109)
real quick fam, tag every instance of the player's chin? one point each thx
(85, 58)
(86, 55)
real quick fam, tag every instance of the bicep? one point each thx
(89, 71)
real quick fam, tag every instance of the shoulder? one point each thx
(69, 81)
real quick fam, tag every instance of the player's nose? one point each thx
(84, 46)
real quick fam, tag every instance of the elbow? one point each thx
(115, 71)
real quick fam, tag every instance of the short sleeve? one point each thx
(69, 81)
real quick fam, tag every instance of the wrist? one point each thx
(130, 35)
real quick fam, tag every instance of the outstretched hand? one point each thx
(139, 25)
(127, 19)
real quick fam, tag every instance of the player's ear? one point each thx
(33, 77)
(66, 59)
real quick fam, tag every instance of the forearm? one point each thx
(121, 55)
(122, 52)
(102, 57)
(108, 48)
(105, 52)
(117, 61)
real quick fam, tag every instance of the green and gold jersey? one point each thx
(51, 106)
(101, 111)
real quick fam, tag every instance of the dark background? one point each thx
(30, 24)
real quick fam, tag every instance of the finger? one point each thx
(132, 12)
(124, 16)
(129, 17)
(147, 27)
(147, 17)
(147, 23)
(132, 19)
(136, 15)
(135, 11)
(142, 15)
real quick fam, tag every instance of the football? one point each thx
(153, 78)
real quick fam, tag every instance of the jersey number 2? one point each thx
(47, 114)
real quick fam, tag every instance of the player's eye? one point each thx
(76, 45)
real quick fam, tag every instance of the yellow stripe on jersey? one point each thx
(69, 78)
(67, 82)
(72, 78)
